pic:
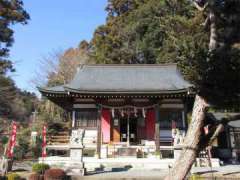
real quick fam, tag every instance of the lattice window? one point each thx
(237, 139)
(86, 117)
(170, 116)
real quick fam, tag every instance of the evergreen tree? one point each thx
(200, 36)
(218, 77)
(11, 12)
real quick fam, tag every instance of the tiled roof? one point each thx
(163, 78)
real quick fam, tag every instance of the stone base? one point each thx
(71, 166)
(75, 171)
(76, 153)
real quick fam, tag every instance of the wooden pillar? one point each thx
(157, 128)
(128, 129)
(183, 119)
(99, 134)
(73, 119)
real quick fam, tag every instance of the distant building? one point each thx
(228, 142)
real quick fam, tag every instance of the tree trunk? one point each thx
(213, 31)
(191, 142)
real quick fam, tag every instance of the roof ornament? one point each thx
(143, 112)
(122, 113)
(113, 112)
(135, 111)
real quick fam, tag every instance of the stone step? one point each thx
(59, 139)
(60, 136)
(127, 163)
(76, 172)
(63, 133)
(56, 143)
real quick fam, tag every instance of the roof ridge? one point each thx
(128, 65)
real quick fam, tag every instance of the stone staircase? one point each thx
(61, 138)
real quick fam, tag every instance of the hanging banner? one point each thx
(44, 141)
(12, 141)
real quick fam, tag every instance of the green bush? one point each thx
(23, 146)
(36, 150)
(55, 174)
(4, 140)
(3, 177)
(140, 153)
(40, 168)
(13, 176)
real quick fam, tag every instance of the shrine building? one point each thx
(125, 107)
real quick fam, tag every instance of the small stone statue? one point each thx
(178, 138)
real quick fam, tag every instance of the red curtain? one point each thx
(150, 124)
(105, 123)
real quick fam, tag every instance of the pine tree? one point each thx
(218, 84)
(11, 12)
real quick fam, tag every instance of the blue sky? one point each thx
(54, 25)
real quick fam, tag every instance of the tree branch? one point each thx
(206, 22)
(199, 7)
(218, 130)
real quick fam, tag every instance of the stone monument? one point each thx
(76, 144)
(76, 166)
(178, 143)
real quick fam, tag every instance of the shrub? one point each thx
(55, 174)
(4, 140)
(13, 176)
(36, 176)
(139, 153)
(3, 178)
(37, 148)
(40, 168)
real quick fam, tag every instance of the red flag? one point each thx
(12, 141)
(44, 141)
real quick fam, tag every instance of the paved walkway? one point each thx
(227, 171)
(136, 174)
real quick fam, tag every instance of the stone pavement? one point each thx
(226, 171)
(136, 174)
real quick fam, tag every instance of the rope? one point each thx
(128, 106)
